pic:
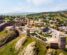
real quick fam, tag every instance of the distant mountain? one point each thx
(51, 12)
(27, 13)
(18, 13)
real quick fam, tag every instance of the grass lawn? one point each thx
(5, 34)
(9, 49)
(41, 48)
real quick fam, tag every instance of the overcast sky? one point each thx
(8, 6)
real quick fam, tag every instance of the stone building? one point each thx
(62, 42)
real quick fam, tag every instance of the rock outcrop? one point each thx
(29, 50)
(19, 43)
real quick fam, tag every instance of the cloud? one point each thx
(39, 2)
(59, 6)
(13, 9)
(32, 5)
